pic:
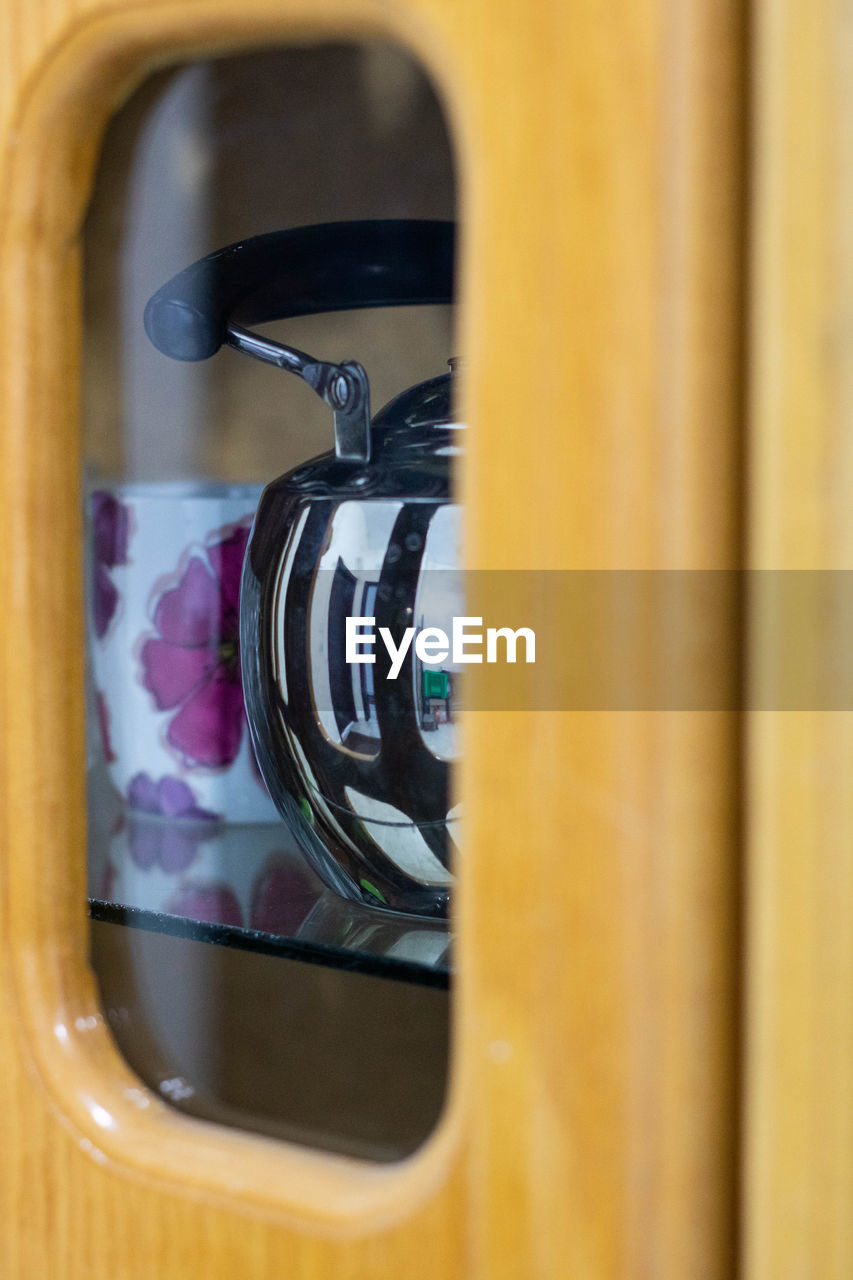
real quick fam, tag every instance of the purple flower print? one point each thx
(103, 713)
(214, 903)
(110, 536)
(173, 843)
(193, 663)
(282, 896)
(168, 798)
(108, 883)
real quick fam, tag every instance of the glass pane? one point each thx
(272, 832)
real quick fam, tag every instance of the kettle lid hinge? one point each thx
(344, 387)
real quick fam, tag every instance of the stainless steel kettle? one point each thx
(355, 752)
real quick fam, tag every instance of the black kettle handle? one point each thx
(333, 266)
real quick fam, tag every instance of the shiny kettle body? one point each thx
(356, 759)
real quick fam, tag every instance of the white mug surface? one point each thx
(164, 586)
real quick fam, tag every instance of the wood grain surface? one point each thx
(798, 1121)
(591, 1127)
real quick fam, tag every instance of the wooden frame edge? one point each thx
(50, 152)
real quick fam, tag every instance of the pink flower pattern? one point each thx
(282, 897)
(110, 538)
(173, 842)
(103, 713)
(192, 664)
(206, 902)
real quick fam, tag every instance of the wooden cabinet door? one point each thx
(592, 1120)
(798, 1116)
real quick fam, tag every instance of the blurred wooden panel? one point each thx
(799, 1112)
(591, 1127)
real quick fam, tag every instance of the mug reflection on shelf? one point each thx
(250, 876)
(253, 877)
(164, 569)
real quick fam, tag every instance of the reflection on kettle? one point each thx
(357, 760)
(336, 923)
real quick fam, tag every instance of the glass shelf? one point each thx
(244, 992)
(250, 887)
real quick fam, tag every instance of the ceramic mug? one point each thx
(165, 561)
